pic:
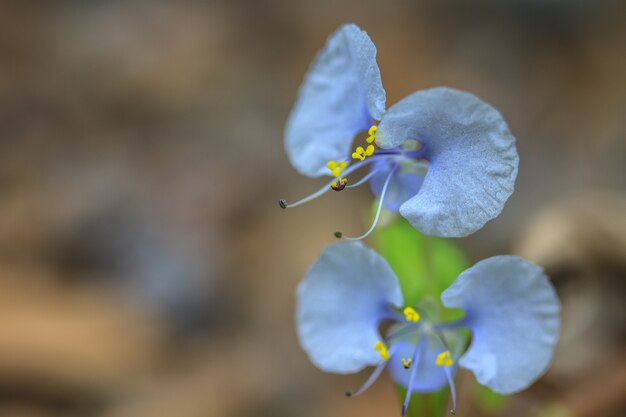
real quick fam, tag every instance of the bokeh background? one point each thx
(145, 267)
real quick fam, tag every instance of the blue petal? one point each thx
(339, 305)
(340, 95)
(429, 377)
(513, 312)
(402, 186)
(472, 155)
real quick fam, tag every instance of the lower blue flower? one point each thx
(510, 308)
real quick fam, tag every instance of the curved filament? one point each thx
(368, 383)
(409, 388)
(378, 210)
(325, 188)
(364, 179)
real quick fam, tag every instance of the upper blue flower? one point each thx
(510, 307)
(446, 159)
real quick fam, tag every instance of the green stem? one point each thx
(427, 404)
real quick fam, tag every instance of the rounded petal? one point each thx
(429, 376)
(339, 305)
(402, 186)
(513, 312)
(472, 155)
(338, 98)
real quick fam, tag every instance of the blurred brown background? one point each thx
(145, 267)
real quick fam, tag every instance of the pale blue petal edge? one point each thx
(513, 312)
(472, 155)
(339, 97)
(339, 304)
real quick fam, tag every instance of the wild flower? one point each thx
(510, 307)
(442, 158)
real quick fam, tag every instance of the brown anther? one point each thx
(338, 186)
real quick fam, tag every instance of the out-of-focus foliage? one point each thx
(425, 265)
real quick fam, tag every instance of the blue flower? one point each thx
(510, 308)
(445, 159)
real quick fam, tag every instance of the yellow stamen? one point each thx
(411, 315)
(382, 350)
(360, 153)
(444, 359)
(336, 167)
(407, 363)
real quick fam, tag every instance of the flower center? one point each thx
(395, 176)
(414, 329)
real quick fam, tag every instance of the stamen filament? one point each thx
(452, 388)
(368, 383)
(409, 388)
(373, 377)
(416, 154)
(386, 152)
(448, 370)
(378, 210)
(403, 331)
(453, 324)
(364, 179)
(439, 334)
(321, 191)
(283, 204)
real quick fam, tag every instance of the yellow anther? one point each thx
(359, 153)
(407, 363)
(411, 315)
(382, 350)
(444, 359)
(336, 167)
